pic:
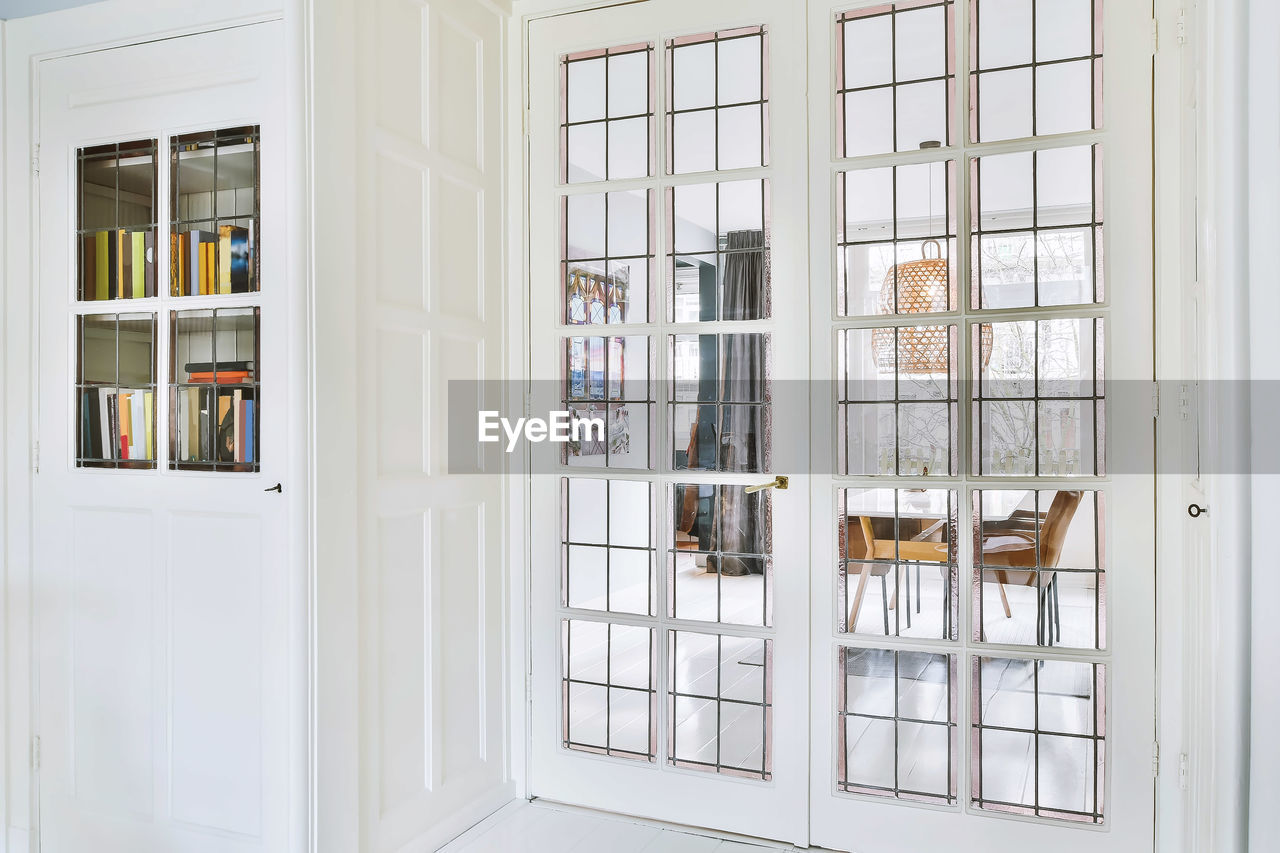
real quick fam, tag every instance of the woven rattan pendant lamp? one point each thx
(920, 287)
(916, 287)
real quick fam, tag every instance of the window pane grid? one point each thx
(1039, 548)
(1017, 89)
(885, 534)
(884, 746)
(1038, 404)
(608, 257)
(912, 415)
(719, 236)
(895, 77)
(608, 380)
(606, 114)
(1039, 223)
(895, 239)
(720, 703)
(607, 689)
(707, 102)
(607, 522)
(1053, 711)
(721, 418)
(719, 562)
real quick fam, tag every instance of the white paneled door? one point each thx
(165, 708)
(899, 252)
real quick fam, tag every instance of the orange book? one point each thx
(225, 377)
(126, 421)
(206, 268)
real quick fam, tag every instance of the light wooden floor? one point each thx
(537, 827)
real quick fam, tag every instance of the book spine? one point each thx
(249, 437)
(102, 268)
(206, 430)
(149, 414)
(224, 259)
(139, 271)
(238, 409)
(113, 422)
(104, 425)
(141, 446)
(174, 265)
(126, 423)
(88, 267)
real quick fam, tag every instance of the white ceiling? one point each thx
(26, 8)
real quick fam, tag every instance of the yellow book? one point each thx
(149, 413)
(101, 267)
(122, 251)
(224, 259)
(208, 269)
(139, 265)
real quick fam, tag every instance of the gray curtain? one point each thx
(743, 416)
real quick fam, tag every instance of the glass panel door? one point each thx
(987, 325)
(669, 302)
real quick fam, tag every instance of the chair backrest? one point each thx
(1054, 532)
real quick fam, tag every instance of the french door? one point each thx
(161, 543)
(670, 605)
(938, 326)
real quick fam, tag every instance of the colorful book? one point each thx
(138, 268)
(126, 423)
(239, 260)
(237, 414)
(174, 265)
(221, 366)
(192, 451)
(88, 269)
(224, 259)
(223, 377)
(102, 268)
(198, 269)
(140, 447)
(104, 425)
(248, 431)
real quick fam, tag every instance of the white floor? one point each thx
(538, 827)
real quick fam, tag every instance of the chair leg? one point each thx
(856, 608)
(884, 603)
(907, 584)
(1004, 599)
(918, 569)
(1057, 608)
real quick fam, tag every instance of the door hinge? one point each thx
(35, 457)
(1181, 27)
(1155, 399)
(1183, 771)
(1184, 401)
(35, 159)
(1155, 36)
(35, 752)
(1155, 759)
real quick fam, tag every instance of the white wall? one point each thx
(409, 144)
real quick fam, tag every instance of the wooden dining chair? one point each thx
(1010, 557)
(891, 549)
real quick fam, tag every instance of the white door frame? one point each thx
(29, 42)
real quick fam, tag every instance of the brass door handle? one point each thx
(778, 482)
